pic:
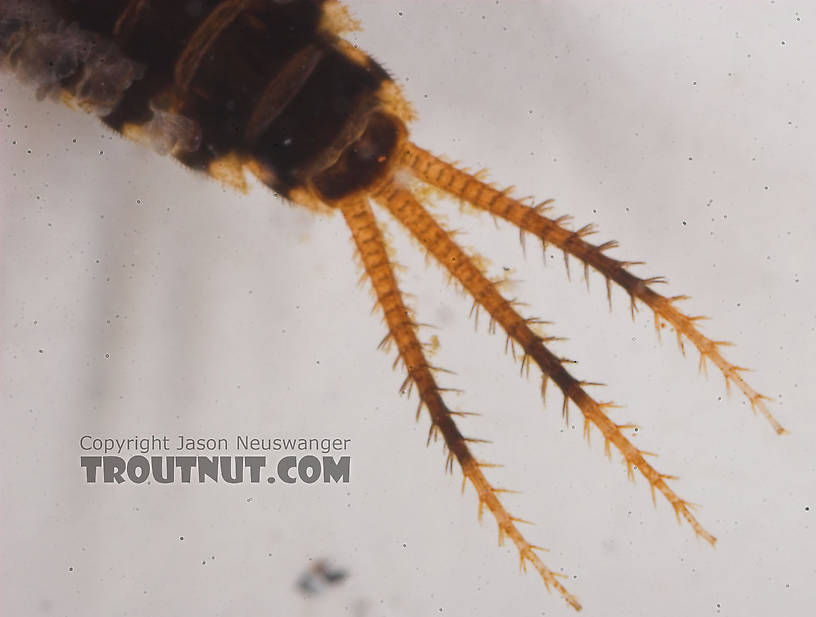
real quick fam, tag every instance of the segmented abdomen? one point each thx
(256, 80)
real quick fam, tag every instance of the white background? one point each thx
(138, 298)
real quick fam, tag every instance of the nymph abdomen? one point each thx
(224, 84)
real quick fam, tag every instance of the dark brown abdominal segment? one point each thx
(363, 162)
(280, 91)
(153, 32)
(320, 121)
(227, 63)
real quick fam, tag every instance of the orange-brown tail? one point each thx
(402, 331)
(471, 189)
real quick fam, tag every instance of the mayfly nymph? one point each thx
(271, 87)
